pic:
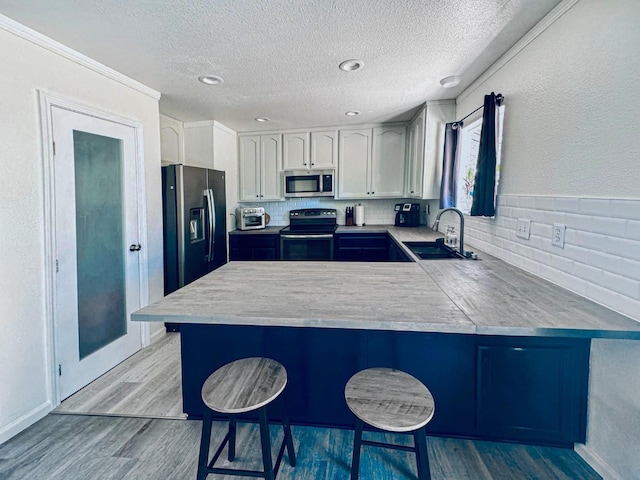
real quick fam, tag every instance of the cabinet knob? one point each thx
(257, 196)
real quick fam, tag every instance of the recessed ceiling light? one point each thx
(262, 119)
(211, 79)
(450, 82)
(351, 65)
(352, 113)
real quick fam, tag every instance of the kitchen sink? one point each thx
(432, 250)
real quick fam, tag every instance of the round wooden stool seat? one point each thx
(244, 385)
(389, 399)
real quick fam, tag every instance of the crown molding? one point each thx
(560, 9)
(53, 46)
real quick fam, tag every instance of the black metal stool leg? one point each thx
(357, 443)
(265, 440)
(232, 439)
(205, 440)
(288, 437)
(422, 458)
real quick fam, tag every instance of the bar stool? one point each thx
(239, 387)
(392, 401)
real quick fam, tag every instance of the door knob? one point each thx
(135, 247)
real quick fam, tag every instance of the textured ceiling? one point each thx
(279, 58)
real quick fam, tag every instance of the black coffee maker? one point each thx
(407, 214)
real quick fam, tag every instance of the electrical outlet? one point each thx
(557, 235)
(523, 230)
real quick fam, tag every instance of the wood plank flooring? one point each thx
(77, 447)
(147, 384)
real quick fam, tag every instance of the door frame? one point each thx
(47, 100)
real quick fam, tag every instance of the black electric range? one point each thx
(309, 235)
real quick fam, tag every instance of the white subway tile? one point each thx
(602, 295)
(588, 273)
(554, 217)
(561, 263)
(579, 222)
(593, 241)
(629, 307)
(624, 286)
(545, 203)
(571, 251)
(623, 247)
(605, 261)
(511, 200)
(632, 231)
(629, 209)
(630, 268)
(595, 206)
(609, 226)
(527, 202)
(566, 205)
(531, 266)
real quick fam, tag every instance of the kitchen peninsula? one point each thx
(505, 353)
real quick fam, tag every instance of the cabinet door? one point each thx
(532, 392)
(354, 161)
(249, 163)
(415, 157)
(324, 149)
(388, 162)
(295, 151)
(271, 167)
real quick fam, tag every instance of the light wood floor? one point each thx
(75, 447)
(147, 384)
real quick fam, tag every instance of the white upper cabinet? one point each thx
(271, 186)
(171, 140)
(295, 151)
(371, 162)
(426, 146)
(415, 156)
(324, 149)
(354, 163)
(260, 160)
(388, 162)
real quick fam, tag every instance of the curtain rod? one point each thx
(499, 100)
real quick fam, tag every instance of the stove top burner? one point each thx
(312, 221)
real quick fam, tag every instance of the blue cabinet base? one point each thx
(462, 372)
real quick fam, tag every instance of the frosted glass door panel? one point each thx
(102, 314)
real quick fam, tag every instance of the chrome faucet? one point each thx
(436, 224)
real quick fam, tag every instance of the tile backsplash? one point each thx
(601, 255)
(376, 212)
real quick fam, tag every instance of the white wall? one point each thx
(25, 394)
(570, 155)
(225, 157)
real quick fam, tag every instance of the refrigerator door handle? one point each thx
(211, 208)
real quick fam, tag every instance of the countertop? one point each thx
(485, 296)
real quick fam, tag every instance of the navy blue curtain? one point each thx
(484, 189)
(450, 162)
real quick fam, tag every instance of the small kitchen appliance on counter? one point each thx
(407, 214)
(309, 235)
(250, 218)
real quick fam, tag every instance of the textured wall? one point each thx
(571, 105)
(25, 394)
(570, 135)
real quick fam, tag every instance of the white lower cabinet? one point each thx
(260, 162)
(371, 162)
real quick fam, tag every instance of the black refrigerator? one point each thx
(194, 221)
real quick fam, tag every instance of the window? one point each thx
(469, 147)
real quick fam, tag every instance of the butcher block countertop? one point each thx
(485, 296)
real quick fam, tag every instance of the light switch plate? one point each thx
(523, 229)
(557, 235)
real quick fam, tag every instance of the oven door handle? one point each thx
(324, 235)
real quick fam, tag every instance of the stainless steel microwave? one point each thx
(308, 183)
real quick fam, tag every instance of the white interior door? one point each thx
(96, 244)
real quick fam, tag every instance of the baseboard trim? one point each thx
(598, 464)
(25, 421)
(158, 335)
